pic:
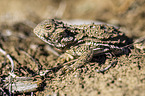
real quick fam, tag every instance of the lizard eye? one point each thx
(48, 27)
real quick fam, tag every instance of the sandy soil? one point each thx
(18, 18)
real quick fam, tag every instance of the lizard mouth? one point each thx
(59, 40)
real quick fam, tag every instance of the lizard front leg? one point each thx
(78, 55)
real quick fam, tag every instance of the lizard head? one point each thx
(55, 33)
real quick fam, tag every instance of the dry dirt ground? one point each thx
(18, 18)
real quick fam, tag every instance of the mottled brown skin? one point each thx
(81, 42)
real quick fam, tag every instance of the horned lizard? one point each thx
(81, 42)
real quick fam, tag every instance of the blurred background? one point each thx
(128, 14)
